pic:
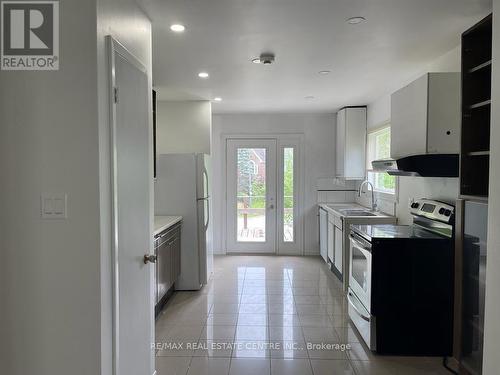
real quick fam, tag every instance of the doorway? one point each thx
(263, 190)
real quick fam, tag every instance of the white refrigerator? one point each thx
(182, 188)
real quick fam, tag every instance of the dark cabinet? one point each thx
(470, 282)
(476, 109)
(163, 270)
(168, 264)
(176, 259)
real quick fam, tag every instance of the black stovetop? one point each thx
(388, 231)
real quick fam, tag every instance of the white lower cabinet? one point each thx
(331, 239)
(335, 241)
(323, 234)
(339, 250)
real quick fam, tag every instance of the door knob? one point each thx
(149, 258)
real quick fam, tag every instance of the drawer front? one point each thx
(362, 320)
(167, 235)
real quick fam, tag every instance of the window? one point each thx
(379, 147)
(288, 194)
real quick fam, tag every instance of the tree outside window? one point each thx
(379, 147)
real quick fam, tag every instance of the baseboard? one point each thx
(311, 253)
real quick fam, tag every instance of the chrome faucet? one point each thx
(366, 182)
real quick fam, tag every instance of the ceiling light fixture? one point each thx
(256, 60)
(355, 20)
(177, 28)
(218, 99)
(203, 75)
(309, 97)
(324, 72)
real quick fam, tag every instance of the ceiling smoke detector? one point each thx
(264, 58)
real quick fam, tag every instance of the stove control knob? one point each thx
(442, 211)
(414, 205)
(447, 213)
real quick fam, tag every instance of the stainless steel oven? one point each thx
(401, 282)
(360, 269)
(359, 293)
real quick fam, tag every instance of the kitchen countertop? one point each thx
(165, 222)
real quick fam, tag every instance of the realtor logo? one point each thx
(29, 35)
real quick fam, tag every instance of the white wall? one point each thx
(49, 271)
(319, 138)
(184, 127)
(54, 138)
(126, 22)
(491, 360)
(379, 112)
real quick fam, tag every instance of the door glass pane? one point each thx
(251, 194)
(359, 268)
(288, 188)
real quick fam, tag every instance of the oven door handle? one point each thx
(359, 244)
(357, 308)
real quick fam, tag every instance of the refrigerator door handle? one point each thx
(208, 214)
(205, 182)
(206, 220)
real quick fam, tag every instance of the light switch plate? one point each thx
(54, 206)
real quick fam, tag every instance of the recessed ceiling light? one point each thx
(355, 20)
(256, 60)
(324, 72)
(309, 97)
(177, 28)
(218, 99)
(203, 75)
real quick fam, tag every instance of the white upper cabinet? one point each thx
(351, 143)
(425, 116)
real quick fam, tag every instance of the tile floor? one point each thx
(257, 316)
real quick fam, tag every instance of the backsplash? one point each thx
(383, 205)
(410, 188)
(333, 190)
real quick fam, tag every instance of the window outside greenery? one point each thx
(379, 147)
(251, 194)
(288, 194)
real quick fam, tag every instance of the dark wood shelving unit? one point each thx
(476, 109)
(481, 104)
(471, 209)
(480, 66)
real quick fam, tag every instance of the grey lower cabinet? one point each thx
(168, 264)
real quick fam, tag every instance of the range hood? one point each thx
(425, 165)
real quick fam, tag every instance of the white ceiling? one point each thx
(222, 36)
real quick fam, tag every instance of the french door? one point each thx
(262, 206)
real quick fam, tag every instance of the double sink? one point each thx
(348, 212)
(353, 212)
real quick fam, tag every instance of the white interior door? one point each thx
(132, 178)
(251, 195)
